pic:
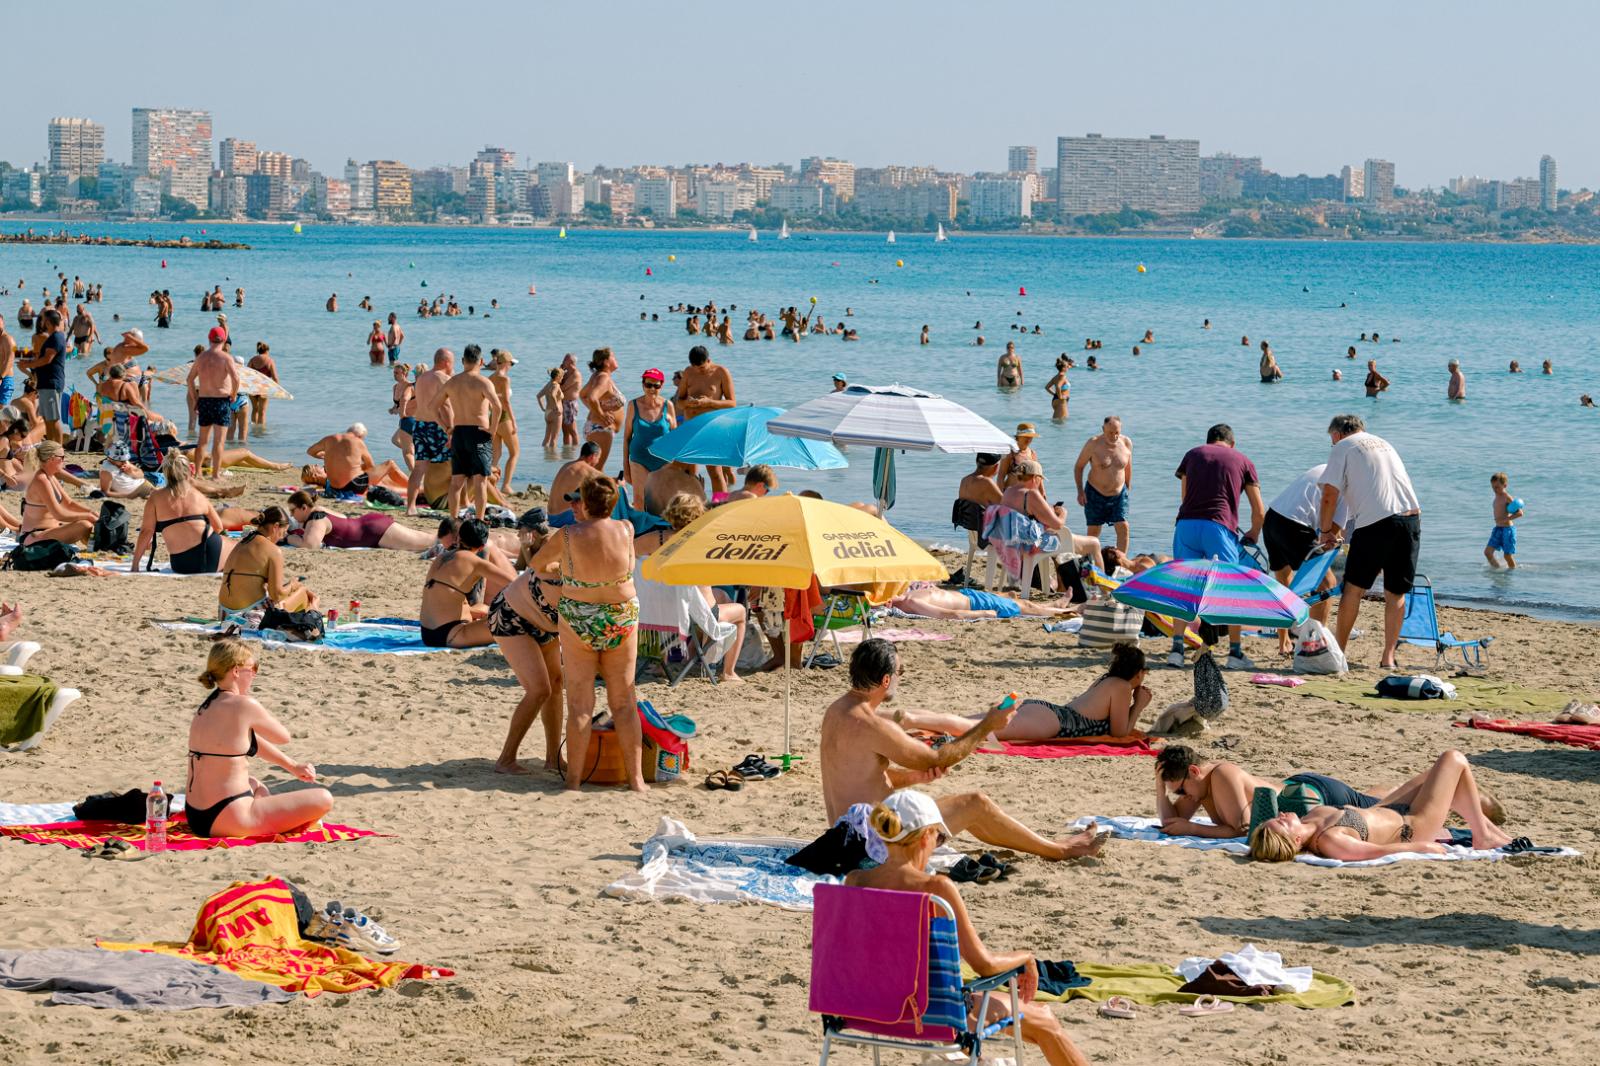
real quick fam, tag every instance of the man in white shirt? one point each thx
(1289, 534)
(1365, 473)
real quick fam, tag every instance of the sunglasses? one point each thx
(940, 838)
(652, 384)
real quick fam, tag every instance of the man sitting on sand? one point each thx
(571, 478)
(660, 486)
(867, 754)
(348, 466)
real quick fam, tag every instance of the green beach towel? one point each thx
(25, 700)
(1472, 694)
(1151, 982)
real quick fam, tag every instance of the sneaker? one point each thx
(1238, 662)
(358, 932)
(324, 925)
(1175, 659)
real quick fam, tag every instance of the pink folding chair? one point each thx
(886, 973)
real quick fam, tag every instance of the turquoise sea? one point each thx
(1482, 304)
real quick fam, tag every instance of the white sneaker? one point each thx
(358, 932)
(1238, 662)
(1175, 659)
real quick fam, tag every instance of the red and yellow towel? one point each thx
(85, 835)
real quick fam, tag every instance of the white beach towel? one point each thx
(125, 568)
(1254, 967)
(50, 813)
(681, 609)
(1149, 831)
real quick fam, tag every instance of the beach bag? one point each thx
(1108, 622)
(41, 555)
(301, 626)
(1316, 651)
(1419, 687)
(111, 529)
(1210, 687)
(665, 758)
(386, 496)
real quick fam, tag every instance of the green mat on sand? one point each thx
(1151, 982)
(24, 701)
(1472, 694)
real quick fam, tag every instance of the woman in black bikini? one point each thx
(252, 574)
(1410, 819)
(457, 582)
(523, 621)
(195, 544)
(230, 727)
(47, 514)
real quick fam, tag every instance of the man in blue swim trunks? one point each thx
(1213, 476)
(1108, 460)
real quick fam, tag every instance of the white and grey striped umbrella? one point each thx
(892, 416)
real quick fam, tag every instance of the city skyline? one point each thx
(1294, 92)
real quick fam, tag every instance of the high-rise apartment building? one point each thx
(1022, 159)
(237, 158)
(363, 185)
(550, 173)
(1516, 194)
(1378, 181)
(1223, 176)
(915, 201)
(1000, 199)
(391, 187)
(275, 164)
(836, 172)
(77, 147)
(1096, 174)
(720, 199)
(1548, 192)
(481, 201)
(1353, 183)
(499, 158)
(659, 196)
(175, 146)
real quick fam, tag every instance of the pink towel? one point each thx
(1277, 679)
(1066, 747)
(893, 636)
(869, 953)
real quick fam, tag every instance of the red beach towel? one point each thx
(1579, 736)
(85, 835)
(1066, 747)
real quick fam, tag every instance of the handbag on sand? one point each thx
(1107, 622)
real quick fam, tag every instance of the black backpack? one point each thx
(40, 555)
(111, 529)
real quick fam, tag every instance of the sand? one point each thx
(499, 878)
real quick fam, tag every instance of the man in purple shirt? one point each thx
(1213, 476)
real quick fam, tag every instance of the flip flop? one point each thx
(754, 766)
(1118, 1007)
(1204, 1005)
(1000, 869)
(716, 779)
(1524, 846)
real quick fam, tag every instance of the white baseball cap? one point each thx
(916, 810)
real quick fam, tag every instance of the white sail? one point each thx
(753, 237)
(940, 235)
(891, 237)
(783, 231)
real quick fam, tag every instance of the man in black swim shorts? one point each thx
(474, 407)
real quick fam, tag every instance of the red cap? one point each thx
(217, 335)
(655, 375)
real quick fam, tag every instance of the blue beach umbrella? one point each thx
(738, 436)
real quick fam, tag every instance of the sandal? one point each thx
(1204, 1005)
(717, 779)
(999, 870)
(1118, 1007)
(754, 766)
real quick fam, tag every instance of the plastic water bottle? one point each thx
(155, 819)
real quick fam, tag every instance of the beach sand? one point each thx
(499, 878)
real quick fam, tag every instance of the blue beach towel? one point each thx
(390, 637)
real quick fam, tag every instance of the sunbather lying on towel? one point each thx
(935, 602)
(228, 730)
(1410, 819)
(1109, 707)
(912, 827)
(867, 754)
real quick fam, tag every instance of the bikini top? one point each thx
(254, 747)
(572, 582)
(472, 595)
(27, 503)
(227, 578)
(1349, 818)
(165, 522)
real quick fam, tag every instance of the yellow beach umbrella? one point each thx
(785, 541)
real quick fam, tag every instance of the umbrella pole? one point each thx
(788, 668)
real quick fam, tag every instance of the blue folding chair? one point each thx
(1306, 583)
(1421, 628)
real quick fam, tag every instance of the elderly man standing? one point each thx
(214, 381)
(1108, 458)
(1365, 474)
(1212, 478)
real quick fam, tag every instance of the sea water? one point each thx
(1482, 304)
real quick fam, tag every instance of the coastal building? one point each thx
(895, 174)
(550, 173)
(23, 187)
(1352, 183)
(277, 164)
(113, 182)
(1378, 181)
(1023, 158)
(497, 157)
(1468, 188)
(657, 197)
(265, 195)
(827, 171)
(77, 147)
(1001, 199)
(228, 193)
(619, 196)
(391, 188)
(330, 196)
(1096, 175)
(806, 199)
(761, 179)
(481, 201)
(1223, 176)
(513, 189)
(1548, 192)
(174, 145)
(236, 157)
(1516, 194)
(721, 199)
(363, 185)
(914, 202)
(437, 182)
(144, 196)
(565, 198)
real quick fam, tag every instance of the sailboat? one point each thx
(563, 233)
(891, 237)
(940, 235)
(783, 231)
(753, 237)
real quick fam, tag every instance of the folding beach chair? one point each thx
(1306, 583)
(678, 631)
(886, 973)
(841, 609)
(1421, 627)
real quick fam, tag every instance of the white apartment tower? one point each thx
(1548, 192)
(175, 146)
(77, 147)
(1379, 181)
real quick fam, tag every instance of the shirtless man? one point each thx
(1104, 498)
(474, 407)
(345, 458)
(1008, 371)
(867, 754)
(395, 337)
(706, 387)
(980, 486)
(214, 382)
(333, 302)
(660, 486)
(84, 331)
(8, 359)
(430, 443)
(571, 385)
(758, 481)
(571, 478)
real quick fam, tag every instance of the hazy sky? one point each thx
(1439, 88)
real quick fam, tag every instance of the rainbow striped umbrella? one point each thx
(1220, 593)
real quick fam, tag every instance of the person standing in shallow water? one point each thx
(1060, 390)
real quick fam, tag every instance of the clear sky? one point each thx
(1441, 89)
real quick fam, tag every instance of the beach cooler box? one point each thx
(666, 756)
